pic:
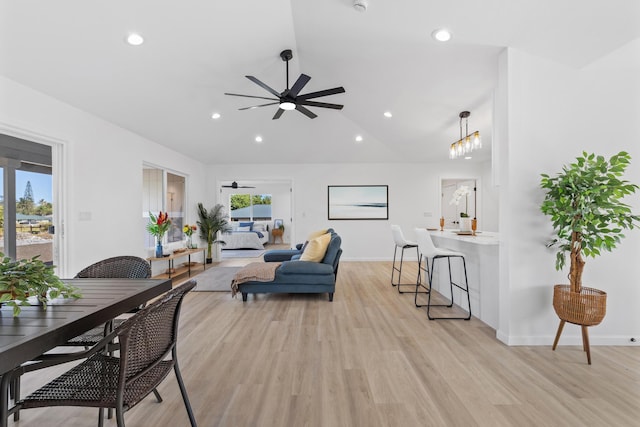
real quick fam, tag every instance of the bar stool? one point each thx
(427, 251)
(403, 244)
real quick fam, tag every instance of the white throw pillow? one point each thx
(247, 228)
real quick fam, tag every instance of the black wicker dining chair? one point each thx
(119, 267)
(144, 342)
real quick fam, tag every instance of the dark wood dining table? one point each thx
(36, 330)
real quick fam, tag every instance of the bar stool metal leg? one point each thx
(398, 269)
(429, 275)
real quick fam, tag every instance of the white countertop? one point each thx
(481, 237)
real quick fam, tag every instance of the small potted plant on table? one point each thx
(26, 278)
(585, 204)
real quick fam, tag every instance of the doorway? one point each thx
(464, 201)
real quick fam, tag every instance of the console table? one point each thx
(172, 271)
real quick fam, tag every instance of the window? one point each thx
(26, 209)
(163, 191)
(251, 207)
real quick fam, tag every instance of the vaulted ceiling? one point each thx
(167, 89)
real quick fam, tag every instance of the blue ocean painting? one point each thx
(358, 202)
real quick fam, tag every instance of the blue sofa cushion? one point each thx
(279, 255)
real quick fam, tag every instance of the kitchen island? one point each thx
(481, 255)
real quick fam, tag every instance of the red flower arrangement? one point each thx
(158, 225)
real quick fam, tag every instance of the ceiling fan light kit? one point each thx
(290, 98)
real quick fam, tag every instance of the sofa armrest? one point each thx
(304, 267)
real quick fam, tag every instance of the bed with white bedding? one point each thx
(246, 235)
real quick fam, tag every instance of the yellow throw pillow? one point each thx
(316, 234)
(316, 248)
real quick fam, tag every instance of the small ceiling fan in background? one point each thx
(235, 185)
(289, 99)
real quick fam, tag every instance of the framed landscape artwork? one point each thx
(358, 201)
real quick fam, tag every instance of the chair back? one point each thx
(425, 245)
(398, 237)
(120, 267)
(148, 336)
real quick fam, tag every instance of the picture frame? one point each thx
(277, 223)
(358, 202)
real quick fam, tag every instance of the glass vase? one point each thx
(189, 242)
(159, 249)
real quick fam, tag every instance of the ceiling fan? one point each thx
(289, 99)
(235, 185)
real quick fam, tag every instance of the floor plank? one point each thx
(369, 358)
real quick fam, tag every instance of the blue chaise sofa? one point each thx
(294, 276)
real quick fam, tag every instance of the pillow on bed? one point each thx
(258, 227)
(247, 228)
(247, 224)
(316, 249)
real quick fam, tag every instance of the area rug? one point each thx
(215, 279)
(242, 253)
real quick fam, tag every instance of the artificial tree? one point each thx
(585, 204)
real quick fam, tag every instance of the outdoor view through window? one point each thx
(33, 215)
(254, 207)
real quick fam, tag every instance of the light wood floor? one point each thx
(369, 358)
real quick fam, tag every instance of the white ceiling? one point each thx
(166, 89)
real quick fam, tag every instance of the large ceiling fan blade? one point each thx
(264, 86)
(318, 94)
(251, 96)
(298, 85)
(257, 106)
(306, 112)
(278, 114)
(321, 104)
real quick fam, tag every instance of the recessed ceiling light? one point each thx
(358, 138)
(468, 158)
(135, 39)
(258, 138)
(388, 114)
(441, 34)
(215, 116)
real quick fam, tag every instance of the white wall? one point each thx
(551, 115)
(102, 174)
(414, 189)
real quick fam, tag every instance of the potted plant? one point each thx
(26, 278)
(210, 223)
(585, 204)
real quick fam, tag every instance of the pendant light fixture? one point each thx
(467, 142)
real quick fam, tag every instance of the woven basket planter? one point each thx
(586, 308)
